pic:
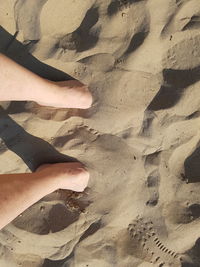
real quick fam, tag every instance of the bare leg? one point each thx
(19, 84)
(19, 191)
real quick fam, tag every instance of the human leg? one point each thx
(19, 84)
(20, 191)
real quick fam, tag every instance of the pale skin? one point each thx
(20, 191)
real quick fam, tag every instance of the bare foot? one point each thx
(66, 94)
(25, 85)
(72, 176)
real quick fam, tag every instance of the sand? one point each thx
(140, 139)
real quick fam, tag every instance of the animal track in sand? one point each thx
(149, 246)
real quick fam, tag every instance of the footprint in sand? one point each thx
(152, 162)
(180, 213)
(55, 114)
(48, 113)
(152, 183)
(83, 38)
(50, 218)
(27, 17)
(149, 247)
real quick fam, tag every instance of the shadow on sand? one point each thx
(33, 150)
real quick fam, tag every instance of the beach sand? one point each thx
(140, 140)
